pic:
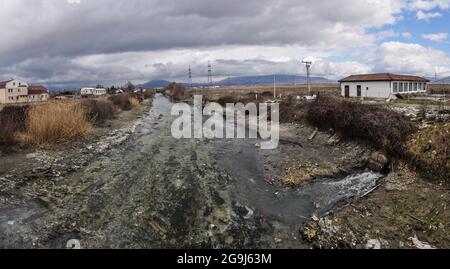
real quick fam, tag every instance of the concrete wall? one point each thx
(369, 89)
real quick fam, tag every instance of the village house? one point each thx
(37, 93)
(386, 85)
(13, 91)
(93, 91)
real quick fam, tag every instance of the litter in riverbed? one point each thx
(419, 244)
(11, 222)
(373, 244)
(249, 214)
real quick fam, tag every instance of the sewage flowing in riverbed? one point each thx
(154, 191)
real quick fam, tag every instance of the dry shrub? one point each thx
(12, 122)
(228, 99)
(383, 128)
(125, 101)
(99, 111)
(56, 122)
(292, 110)
(430, 151)
(176, 91)
(149, 94)
(133, 102)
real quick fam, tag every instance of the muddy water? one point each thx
(155, 191)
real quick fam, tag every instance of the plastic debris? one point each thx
(419, 244)
(249, 214)
(373, 244)
(11, 222)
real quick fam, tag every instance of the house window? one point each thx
(395, 86)
(415, 86)
(401, 87)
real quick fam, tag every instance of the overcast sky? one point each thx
(111, 41)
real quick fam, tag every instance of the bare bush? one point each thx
(99, 111)
(385, 129)
(122, 101)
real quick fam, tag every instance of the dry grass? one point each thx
(133, 102)
(56, 122)
(430, 151)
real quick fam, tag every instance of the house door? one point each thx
(347, 91)
(358, 90)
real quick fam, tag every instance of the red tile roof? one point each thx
(382, 77)
(37, 90)
(3, 83)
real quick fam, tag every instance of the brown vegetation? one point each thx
(124, 101)
(56, 122)
(99, 111)
(176, 91)
(383, 128)
(439, 89)
(430, 151)
(12, 121)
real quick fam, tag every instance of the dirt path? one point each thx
(140, 188)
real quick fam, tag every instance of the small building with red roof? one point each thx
(385, 85)
(37, 93)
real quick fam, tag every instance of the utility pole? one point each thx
(274, 87)
(210, 79)
(190, 77)
(308, 73)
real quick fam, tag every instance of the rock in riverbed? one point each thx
(378, 162)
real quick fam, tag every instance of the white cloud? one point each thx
(439, 37)
(407, 35)
(410, 58)
(428, 4)
(426, 16)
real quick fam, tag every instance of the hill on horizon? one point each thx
(245, 81)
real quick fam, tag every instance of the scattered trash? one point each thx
(419, 244)
(249, 214)
(155, 225)
(258, 145)
(313, 135)
(73, 244)
(315, 218)
(373, 244)
(11, 222)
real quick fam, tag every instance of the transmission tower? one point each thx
(210, 78)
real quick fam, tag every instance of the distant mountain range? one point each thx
(245, 81)
(445, 80)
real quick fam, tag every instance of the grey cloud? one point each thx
(52, 33)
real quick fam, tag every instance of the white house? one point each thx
(37, 93)
(387, 86)
(13, 91)
(93, 91)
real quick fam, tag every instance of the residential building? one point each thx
(386, 85)
(92, 91)
(37, 93)
(13, 91)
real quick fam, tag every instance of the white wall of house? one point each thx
(15, 91)
(38, 97)
(369, 89)
(93, 91)
(383, 89)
